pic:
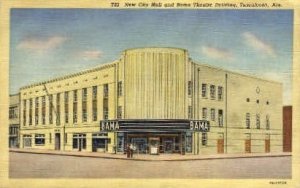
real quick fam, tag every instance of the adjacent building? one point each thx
(158, 99)
(287, 128)
(14, 120)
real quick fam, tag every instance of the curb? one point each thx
(152, 160)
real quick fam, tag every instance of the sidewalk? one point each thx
(147, 157)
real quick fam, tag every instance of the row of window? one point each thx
(214, 113)
(57, 109)
(257, 101)
(257, 122)
(204, 93)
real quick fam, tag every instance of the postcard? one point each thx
(149, 94)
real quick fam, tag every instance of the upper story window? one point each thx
(212, 114)
(84, 94)
(212, 91)
(267, 122)
(257, 121)
(190, 112)
(13, 112)
(220, 93)
(247, 120)
(75, 97)
(94, 95)
(204, 90)
(204, 113)
(105, 90)
(220, 118)
(190, 87)
(120, 89)
(66, 97)
(119, 113)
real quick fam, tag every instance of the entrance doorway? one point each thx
(57, 141)
(168, 144)
(79, 141)
(220, 145)
(248, 146)
(267, 145)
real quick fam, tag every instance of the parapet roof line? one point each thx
(106, 65)
(234, 72)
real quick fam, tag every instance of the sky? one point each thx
(47, 43)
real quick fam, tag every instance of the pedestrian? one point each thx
(128, 151)
(131, 150)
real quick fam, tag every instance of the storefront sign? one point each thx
(109, 125)
(199, 125)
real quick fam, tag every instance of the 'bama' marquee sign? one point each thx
(155, 125)
(199, 125)
(109, 125)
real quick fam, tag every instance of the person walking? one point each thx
(131, 150)
(128, 151)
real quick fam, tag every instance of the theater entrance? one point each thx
(147, 143)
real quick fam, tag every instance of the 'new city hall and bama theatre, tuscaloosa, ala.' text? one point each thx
(158, 99)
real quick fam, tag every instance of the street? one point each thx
(27, 165)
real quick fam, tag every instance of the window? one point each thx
(204, 90)
(190, 87)
(212, 91)
(43, 110)
(257, 121)
(257, 101)
(57, 108)
(248, 100)
(24, 112)
(213, 114)
(267, 102)
(220, 93)
(30, 111)
(66, 138)
(204, 139)
(75, 106)
(66, 107)
(75, 97)
(120, 88)
(105, 108)
(190, 112)
(204, 113)
(220, 118)
(36, 112)
(79, 141)
(84, 94)
(247, 120)
(189, 142)
(84, 105)
(51, 109)
(119, 112)
(94, 95)
(39, 139)
(105, 90)
(267, 122)
(94, 103)
(13, 112)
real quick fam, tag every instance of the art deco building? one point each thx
(160, 100)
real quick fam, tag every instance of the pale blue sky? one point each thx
(46, 43)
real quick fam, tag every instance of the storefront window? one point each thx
(120, 141)
(39, 139)
(188, 142)
(79, 141)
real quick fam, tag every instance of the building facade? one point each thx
(158, 99)
(287, 128)
(14, 120)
